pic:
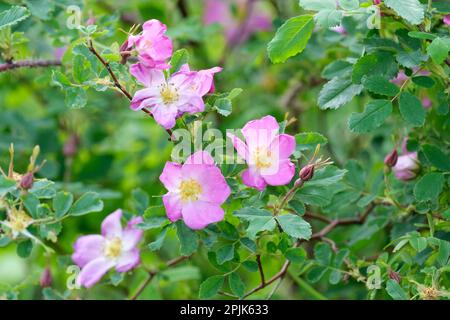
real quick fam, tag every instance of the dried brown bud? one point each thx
(46, 278)
(391, 159)
(394, 276)
(26, 182)
(307, 172)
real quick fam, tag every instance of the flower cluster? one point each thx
(167, 97)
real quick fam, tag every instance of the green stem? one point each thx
(306, 286)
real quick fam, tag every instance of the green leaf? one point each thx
(41, 9)
(309, 140)
(315, 5)
(380, 85)
(24, 248)
(188, 239)
(323, 253)
(411, 59)
(140, 200)
(225, 253)
(444, 252)
(429, 186)
(76, 97)
(295, 226)
(338, 68)
(327, 176)
(13, 15)
(157, 244)
(210, 287)
(337, 93)
(6, 185)
(411, 109)
(421, 35)
(314, 196)
(87, 203)
(237, 286)
(62, 203)
(349, 4)
(329, 18)
(152, 223)
(179, 58)
(375, 64)
(424, 81)
(223, 106)
(395, 291)
(259, 220)
(417, 242)
(438, 49)
(374, 115)
(51, 294)
(291, 38)
(436, 157)
(296, 255)
(411, 10)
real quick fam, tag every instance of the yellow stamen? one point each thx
(19, 220)
(113, 248)
(190, 190)
(263, 158)
(168, 94)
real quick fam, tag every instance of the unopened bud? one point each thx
(46, 278)
(307, 172)
(394, 276)
(26, 182)
(71, 146)
(391, 159)
(124, 52)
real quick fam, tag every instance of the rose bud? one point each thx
(391, 159)
(407, 166)
(71, 146)
(26, 182)
(46, 278)
(394, 276)
(124, 52)
(307, 172)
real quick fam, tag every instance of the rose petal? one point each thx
(94, 271)
(111, 226)
(197, 215)
(88, 248)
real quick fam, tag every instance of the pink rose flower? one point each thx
(376, 2)
(266, 153)
(153, 46)
(197, 189)
(237, 32)
(426, 102)
(407, 165)
(115, 247)
(447, 19)
(339, 29)
(168, 99)
(400, 79)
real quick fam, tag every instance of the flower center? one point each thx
(190, 190)
(147, 44)
(169, 94)
(113, 248)
(263, 158)
(19, 221)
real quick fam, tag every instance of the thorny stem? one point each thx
(320, 235)
(29, 64)
(117, 84)
(152, 274)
